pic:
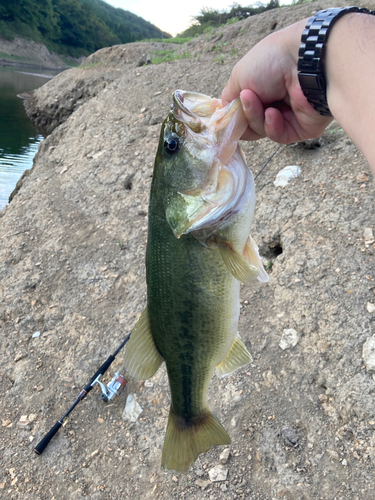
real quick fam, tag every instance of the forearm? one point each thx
(350, 73)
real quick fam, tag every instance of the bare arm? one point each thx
(350, 71)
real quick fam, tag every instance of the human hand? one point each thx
(266, 79)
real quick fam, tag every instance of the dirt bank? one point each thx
(72, 243)
(22, 52)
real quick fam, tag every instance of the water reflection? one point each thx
(18, 138)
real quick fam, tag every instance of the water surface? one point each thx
(19, 139)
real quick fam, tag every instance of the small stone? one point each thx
(362, 177)
(100, 420)
(6, 423)
(31, 438)
(233, 422)
(344, 463)
(148, 383)
(286, 174)
(288, 339)
(23, 421)
(333, 454)
(94, 453)
(18, 357)
(223, 487)
(224, 456)
(175, 479)
(218, 473)
(368, 236)
(370, 307)
(32, 417)
(202, 483)
(132, 409)
(35, 335)
(368, 354)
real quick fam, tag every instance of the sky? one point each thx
(172, 16)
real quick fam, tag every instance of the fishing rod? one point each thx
(114, 388)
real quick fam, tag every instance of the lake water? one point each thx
(18, 138)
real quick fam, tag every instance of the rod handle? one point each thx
(40, 447)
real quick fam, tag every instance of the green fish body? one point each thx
(198, 251)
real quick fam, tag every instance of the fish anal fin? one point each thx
(237, 265)
(185, 439)
(142, 359)
(236, 357)
(251, 254)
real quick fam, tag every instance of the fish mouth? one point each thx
(194, 109)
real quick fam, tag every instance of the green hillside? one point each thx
(73, 27)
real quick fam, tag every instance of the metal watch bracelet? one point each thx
(310, 56)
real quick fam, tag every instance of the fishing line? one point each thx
(267, 162)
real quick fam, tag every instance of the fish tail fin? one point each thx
(185, 439)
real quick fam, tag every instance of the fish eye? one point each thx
(171, 145)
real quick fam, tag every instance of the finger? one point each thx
(254, 112)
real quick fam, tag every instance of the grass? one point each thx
(168, 55)
(3, 55)
(179, 40)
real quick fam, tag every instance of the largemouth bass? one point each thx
(198, 251)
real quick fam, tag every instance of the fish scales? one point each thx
(198, 250)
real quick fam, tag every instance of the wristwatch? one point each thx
(310, 66)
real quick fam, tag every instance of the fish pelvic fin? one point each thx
(185, 439)
(237, 265)
(236, 357)
(142, 359)
(251, 254)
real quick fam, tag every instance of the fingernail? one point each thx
(245, 104)
(267, 118)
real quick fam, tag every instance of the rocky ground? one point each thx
(72, 242)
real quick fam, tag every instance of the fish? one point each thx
(198, 252)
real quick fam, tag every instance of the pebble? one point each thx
(286, 174)
(132, 409)
(175, 479)
(368, 354)
(370, 307)
(224, 456)
(94, 453)
(333, 454)
(218, 473)
(148, 383)
(288, 339)
(18, 357)
(344, 463)
(202, 483)
(368, 236)
(35, 335)
(23, 421)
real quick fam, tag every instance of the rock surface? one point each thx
(72, 244)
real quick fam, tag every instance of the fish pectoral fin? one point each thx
(142, 359)
(251, 254)
(236, 357)
(238, 266)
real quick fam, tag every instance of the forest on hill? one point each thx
(73, 27)
(209, 18)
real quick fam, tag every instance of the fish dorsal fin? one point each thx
(142, 359)
(251, 254)
(236, 357)
(237, 265)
